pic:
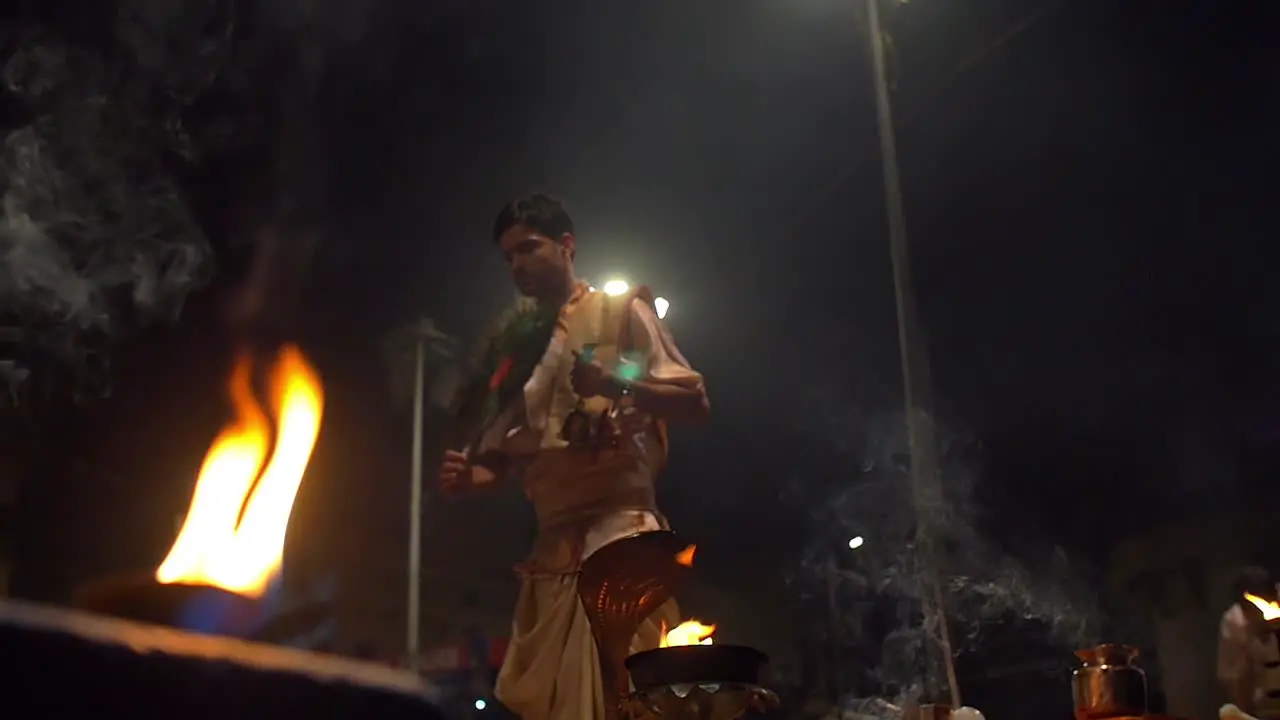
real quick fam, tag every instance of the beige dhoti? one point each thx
(552, 669)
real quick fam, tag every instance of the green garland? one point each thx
(506, 358)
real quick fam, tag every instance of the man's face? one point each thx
(539, 265)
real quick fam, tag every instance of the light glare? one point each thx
(616, 287)
(855, 542)
(481, 704)
(661, 305)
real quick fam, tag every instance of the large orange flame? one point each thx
(233, 535)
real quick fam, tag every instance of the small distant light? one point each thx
(855, 542)
(616, 287)
(662, 306)
(481, 704)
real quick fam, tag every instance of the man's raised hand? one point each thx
(458, 473)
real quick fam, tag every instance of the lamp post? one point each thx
(413, 622)
(835, 645)
(429, 343)
(917, 383)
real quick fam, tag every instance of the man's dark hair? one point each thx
(539, 211)
(1255, 581)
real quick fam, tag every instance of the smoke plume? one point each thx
(983, 586)
(96, 236)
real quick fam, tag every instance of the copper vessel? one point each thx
(620, 586)
(1108, 684)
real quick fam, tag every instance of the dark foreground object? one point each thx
(63, 662)
(197, 608)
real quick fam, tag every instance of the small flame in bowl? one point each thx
(1270, 610)
(689, 632)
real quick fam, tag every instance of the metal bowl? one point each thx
(696, 665)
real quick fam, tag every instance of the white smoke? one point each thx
(95, 238)
(983, 587)
(79, 245)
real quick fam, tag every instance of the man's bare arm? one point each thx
(679, 404)
(677, 393)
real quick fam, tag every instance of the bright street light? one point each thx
(616, 287)
(855, 542)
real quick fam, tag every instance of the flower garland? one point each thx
(506, 359)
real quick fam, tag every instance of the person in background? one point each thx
(1242, 654)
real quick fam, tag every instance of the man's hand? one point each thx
(590, 380)
(458, 473)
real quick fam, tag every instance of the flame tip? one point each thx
(689, 632)
(685, 556)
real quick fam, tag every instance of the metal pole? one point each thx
(926, 483)
(835, 669)
(415, 506)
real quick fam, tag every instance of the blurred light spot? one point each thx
(662, 306)
(481, 704)
(629, 371)
(616, 287)
(855, 542)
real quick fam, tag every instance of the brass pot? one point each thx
(1108, 684)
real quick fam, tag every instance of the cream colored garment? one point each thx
(664, 361)
(1237, 644)
(1242, 648)
(551, 670)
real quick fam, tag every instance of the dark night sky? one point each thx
(1086, 200)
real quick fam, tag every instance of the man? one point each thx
(1248, 658)
(572, 395)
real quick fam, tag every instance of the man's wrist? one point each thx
(617, 388)
(493, 461)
